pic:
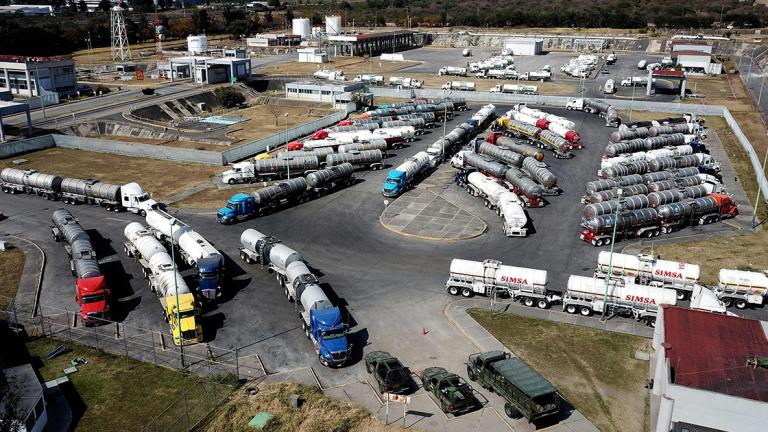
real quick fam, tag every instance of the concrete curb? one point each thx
(28, 248)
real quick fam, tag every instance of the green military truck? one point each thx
(453, 394)
(525, 392)
(391, 375)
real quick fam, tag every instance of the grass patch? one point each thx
(213, 198)
(595, 370)
(11, 266)
(262, 121)
(120, 393)
(318, 413)
(161, 178)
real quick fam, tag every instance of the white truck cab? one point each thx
(136, 200)
(241, 172)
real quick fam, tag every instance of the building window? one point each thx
(326, 92)
(292, 90)
(2, 82)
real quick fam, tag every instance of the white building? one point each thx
(31, 403)
(697, 62)
(312, 55)
(320, 91)
(18, 74)
(690, 46)
(267, 40)
(26, 10)
(206, 70)
(702, 379)
(524, 46)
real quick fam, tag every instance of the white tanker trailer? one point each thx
(506, 204)
(649, 270)
(741, 288)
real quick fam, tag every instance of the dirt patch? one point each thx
(11, 266)
(161, 178)
(351, 66)
(265, 120)
(168, 143)
(594, 369)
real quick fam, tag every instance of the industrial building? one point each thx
(26, 10)
(273, 40)
(524, 46)
(697, 62)
(704, 378)
(18, 74)
(318, 91)
(312, 55)
(30, 404)
(372, 44)
(206, 70)
(690, 46)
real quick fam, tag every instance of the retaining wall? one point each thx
(16, 148)
(138, 150)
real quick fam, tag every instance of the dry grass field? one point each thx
(11, 266)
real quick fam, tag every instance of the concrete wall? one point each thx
(138, 150)
(16, 148)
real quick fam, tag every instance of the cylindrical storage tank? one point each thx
(380, 145)
(674, 211)
(581, 285)
(686, 172)
(298, 164)
(653, 177)
(358, 158)
(662, 185)
(491, 167)
(13, 175)
(687, 181)
(518, 146)
(75, 186)
(166, 226)
(600, 208)
(281, 256)
(44, 181)
(636, 202)
(328, 175)
(539, 172)
(302, 27)
(525, 185)
(506, 156)
(104, 191)
(687, 161)
(287, 188)
(656, 199)
(197, 44)
(250, 238)
(664, 163)
(313, 295)
(601, 185)
(697, 191)
(143, 240)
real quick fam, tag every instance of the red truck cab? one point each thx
(93, 297)
(294, 145)
(728, 208)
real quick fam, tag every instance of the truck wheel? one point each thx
(727, 302)
(452, 290)
(231, 182)
(143, 213)
(466, 292)
(509, 411)
(585, 311)
(528, 301)
(741, 304)
(571, 309)
(650, 322)
(599, 242)
(471, 374)
(542, 304)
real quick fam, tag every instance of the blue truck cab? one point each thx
(329, 333)
(210, 273)
(395, 183)
(240, 207)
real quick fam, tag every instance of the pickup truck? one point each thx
(391, 375)
(453, 394)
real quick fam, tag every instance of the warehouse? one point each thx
(312, 55)
(372, 44)
(524, 46)
(697, 62)
(18, 75)
(690, 46)
(273, 40)
(319, 91)
(702, 376)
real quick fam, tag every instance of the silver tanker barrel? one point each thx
(518, 146)
(687, 161)
(632, 146)
(539, 172)
(628, 134)
(662, 185)
(688, 181)
(76, 186)
(629, 180)
(298, 165)
(660, 130)
(686, 172)
(68, 227)
(635, 202)
(43, 181)
(636, 189)
(656, 199)
(319, 152)
(104, 191)
(704, 205)
(600, 208)
(524, 128)
(375, 144)
(485, 164)
(662, 163)
(664, 141)
(14, 175)
(653, 177)
(330, 175)
(630, 219)
(674, 211)
(601, 185)
(697, 191)
(282, 190)
(507, 156)
(522, 183)
(367, 158)
(625, 169)
(556, 142)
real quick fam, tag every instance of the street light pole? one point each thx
(760, 93)
(176, 294)
(39, 93)
(610, 259)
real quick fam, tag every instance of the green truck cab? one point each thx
(452, 392)
(525, 392)
(391, 375)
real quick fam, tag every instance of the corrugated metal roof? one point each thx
(669, 74)
(523, 377)
(709, 352)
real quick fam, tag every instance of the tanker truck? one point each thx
(451, 70)
(403, 177)
(602, 109)
(269, 169)
(403, 82)
(370, 79)
(515, 89)
(741, 288)
(646, 269)
(505, 203)
(159, 270)
(517, 146)
(321, 321)
(459, 85)
(130, 197)
(490, 277)
(194, 250)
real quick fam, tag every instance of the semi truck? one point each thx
(741, 288)
(525, 392)
(515, 89)
(129, 197)
(180, 309)
(517, 146)
(505, 203)
(193, 250)
(453, 394)
(321, 321)
(404, 82)
(506, 74)
(525, 285)
(366, 159)
(370, 79)
(602, 109)
(451, 70)
(536, 76)
(269, 169)
(646, 269)
(609, 87)
(459, 85)
(403, 177)
(91, 291)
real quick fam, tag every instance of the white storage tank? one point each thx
(197, 44)
(301, 27)
(333, 25)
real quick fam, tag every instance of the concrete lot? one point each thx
(391, 286)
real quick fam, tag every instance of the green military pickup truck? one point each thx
(391, 375)
(452, 392)
(525, 392)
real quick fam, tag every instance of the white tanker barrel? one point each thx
(530, 111)
(628, 134)
(629, 180)
(562, 121)
(697, 191)
(281, 256)
(754, 282)
(300, 278)
(662, 185)
(686, 172)
(168, 282)
(675, 211)
(507, 156)
(283, 189)
(599, 209)
(688, 182)
(413, 164)
(358, 158)
(525, 185)
(325, 176)
(653, 177)
(632, 146)
(166, 225)
(601, 185)
(196, 246)
(539, 172)
(485, 164)
(320, 153)
(376, 144)
(664, 197)
(442, 144)
(312, 296)
(506, 276)
(661, 270)
(580, 285)
(143, 240)
(298, 164)
(519, 147)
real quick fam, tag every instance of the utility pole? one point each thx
(176, 294)
(610, 260)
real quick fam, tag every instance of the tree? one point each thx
(289, 15)
(274, 3)
(239, 28)
(104, 6)
(82, 6)
(268, 18)
(232, 15)
(275, 111)
(143, 5)
(201, 22)
(228, 97)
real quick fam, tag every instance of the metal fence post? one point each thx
(97, 339)
(237, 363)
(69, 328)
(154, 352)
(125, 341)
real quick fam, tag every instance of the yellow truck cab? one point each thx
(189, 313)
